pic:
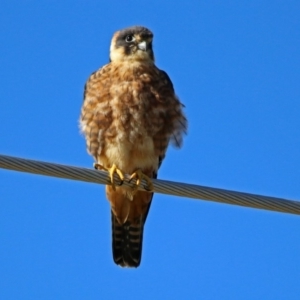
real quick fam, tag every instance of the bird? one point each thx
(130, 114)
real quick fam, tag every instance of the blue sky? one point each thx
(236, 67)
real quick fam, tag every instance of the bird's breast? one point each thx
(133, 118)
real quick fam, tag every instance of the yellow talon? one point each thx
(111, 172)
(139, 176)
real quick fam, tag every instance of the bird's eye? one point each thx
(129, 38)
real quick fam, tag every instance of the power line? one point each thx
(160, 186)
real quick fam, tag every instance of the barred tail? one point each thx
(127, 242)
(128, 219)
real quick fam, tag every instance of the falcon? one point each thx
(130, 114)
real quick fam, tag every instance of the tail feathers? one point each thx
(127, 242)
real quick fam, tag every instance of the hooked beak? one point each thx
(142, 46)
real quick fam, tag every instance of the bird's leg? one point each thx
(112, 170)
(139, 176)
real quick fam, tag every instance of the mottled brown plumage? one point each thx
(129, 116)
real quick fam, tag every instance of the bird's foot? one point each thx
(112, 170)
(139, 176)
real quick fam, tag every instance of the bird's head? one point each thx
(132, 44)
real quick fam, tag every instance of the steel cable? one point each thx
(160, 186)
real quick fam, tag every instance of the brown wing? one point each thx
(96, 113)
(174, 121)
